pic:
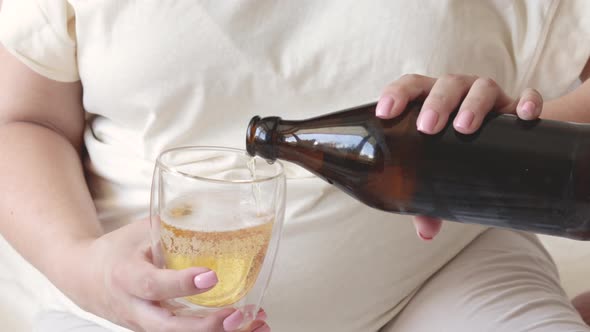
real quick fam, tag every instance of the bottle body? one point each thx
(532, 176)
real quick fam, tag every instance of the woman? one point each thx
(95, 90)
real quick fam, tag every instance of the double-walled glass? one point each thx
(218, 208)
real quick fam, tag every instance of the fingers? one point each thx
(263, 328)
(483, 96)
(530, 105)
(443, 99)
(427, 227)
(150, 317)
(395, 97)
(234, 322)
(257, 326)
(582, 304)
(476, 97)
(146, 281)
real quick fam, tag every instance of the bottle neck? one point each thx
(261, 137)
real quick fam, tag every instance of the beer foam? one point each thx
(216, 212)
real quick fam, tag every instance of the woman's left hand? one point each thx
(474, 97)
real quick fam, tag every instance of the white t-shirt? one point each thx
(160, 74)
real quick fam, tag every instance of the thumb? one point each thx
(427, 227)
(530, 105)
(146, 281)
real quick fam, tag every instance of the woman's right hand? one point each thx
(122, 285)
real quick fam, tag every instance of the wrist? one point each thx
(74, 269)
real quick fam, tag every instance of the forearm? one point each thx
(45, 206)
(573, 107)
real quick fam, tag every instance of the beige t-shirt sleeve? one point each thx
(41, 33)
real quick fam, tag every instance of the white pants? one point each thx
(503, 281)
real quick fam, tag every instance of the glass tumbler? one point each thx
(218, 208)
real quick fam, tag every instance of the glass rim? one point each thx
(171, 169)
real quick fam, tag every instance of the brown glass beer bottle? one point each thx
(526, 175)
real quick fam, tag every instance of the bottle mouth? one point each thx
(251, 136)
(260, 137)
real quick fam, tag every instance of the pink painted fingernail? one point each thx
(423, 237)
(233, 321)
(384, 106)
(464, 120)
(528, 109)
(427, 121)
(263, 328)
(206, 280)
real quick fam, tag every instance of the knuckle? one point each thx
(473, 103)
(211, 323)
(182, 286)
(452, 77)
(532, 93)
(488, 82)
(411, 77)
(455, 78)
(436, 100)
(399, 90)
(149, 287)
